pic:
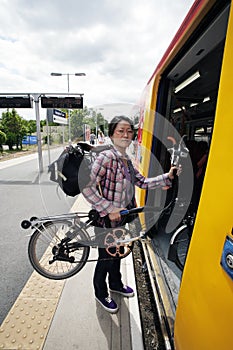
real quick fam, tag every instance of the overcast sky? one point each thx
(117, 43)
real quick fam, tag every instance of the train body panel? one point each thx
(206, 296)
(203, 313)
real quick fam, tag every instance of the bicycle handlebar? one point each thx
(146, 209)
(132, 211)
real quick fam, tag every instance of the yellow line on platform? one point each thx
(28, 322)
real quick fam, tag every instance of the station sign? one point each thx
(57, 116)
(62, 102)
(16, 102)
(29, 140)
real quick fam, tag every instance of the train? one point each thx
(189, 96)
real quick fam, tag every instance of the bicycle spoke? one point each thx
(49, 250)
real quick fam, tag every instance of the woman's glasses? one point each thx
(122, 132)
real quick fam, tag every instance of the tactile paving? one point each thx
(28, 322)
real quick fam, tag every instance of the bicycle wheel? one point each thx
(179, 246)
(53, 255)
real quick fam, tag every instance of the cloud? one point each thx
(118, 45)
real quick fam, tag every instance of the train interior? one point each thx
(189, 91)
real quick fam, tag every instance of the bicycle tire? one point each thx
(41, 250)
(179, 245)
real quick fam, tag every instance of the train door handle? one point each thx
(227, 256)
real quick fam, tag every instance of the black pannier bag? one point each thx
(71, 171)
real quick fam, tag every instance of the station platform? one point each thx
(64, 315)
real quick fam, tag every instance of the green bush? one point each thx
(2, 140)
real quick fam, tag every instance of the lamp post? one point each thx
(96, 128)
(68, 84)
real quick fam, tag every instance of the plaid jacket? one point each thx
(108, 172)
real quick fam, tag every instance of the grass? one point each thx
(27, 149)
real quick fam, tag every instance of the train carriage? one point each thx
(190, 93)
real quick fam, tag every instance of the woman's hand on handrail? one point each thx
(174, 170)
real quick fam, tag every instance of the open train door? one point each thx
(204, 314)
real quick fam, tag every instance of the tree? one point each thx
(77, 121)
(79, 117)
(2, 140)
(96, 120)
(31, 126)
(14, 128)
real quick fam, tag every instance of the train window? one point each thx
(195, 80)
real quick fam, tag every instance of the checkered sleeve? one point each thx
(92, 192)
(152, 182)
